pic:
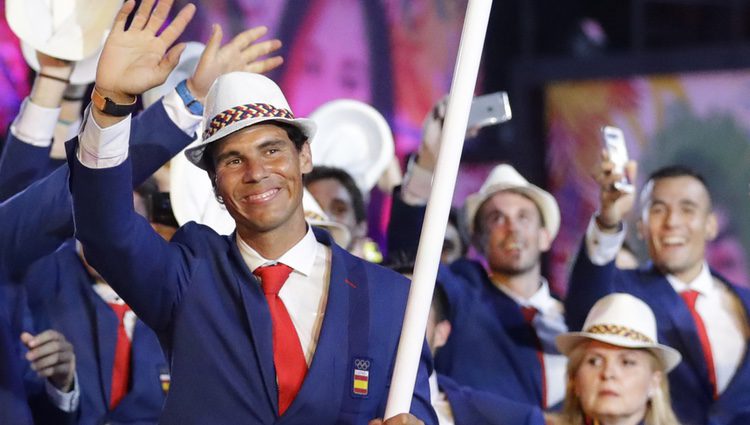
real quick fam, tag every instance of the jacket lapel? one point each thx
(259, 319)
(327, 372)
(521, 349)
(106, 339)
(676, 325)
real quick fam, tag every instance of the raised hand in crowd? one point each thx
(51, 357)
(51, 81)
(141, 53)
(243, 53)
(432, 129)
(614, 203)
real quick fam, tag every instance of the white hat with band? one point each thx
(624, 321)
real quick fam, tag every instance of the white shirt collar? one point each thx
(300, 257)
(703, 283)
(435, 394)
(541, 300)
(107, 293)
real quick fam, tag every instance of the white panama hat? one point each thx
(505, 177)
(624, 321)
(65, 29)
(355, 137)
(238, 100)
(84, 71)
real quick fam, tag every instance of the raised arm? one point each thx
(25, 158)
(594, 272)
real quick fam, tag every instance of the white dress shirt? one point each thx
(722, 315)
(548, 323)
(305, 292)
(721, 310)
(440, 402)
(35, 124)
(109, 296)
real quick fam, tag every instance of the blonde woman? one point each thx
(616, 368)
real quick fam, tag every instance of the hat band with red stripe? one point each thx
(243, 112)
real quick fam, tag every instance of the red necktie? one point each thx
(528, 314)
(121, 364)
(288, 357)
(690, 297)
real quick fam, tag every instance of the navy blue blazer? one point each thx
(20, 165)
(472, 407)
(36, 221)
(214, 324)
(691, 391)
(490, 348)
(61, 297)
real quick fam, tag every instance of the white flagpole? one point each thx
(438, 207)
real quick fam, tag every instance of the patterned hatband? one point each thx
(243, 112)
(618, 330)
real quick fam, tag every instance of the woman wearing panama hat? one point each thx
(616, 368)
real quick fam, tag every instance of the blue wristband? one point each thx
(191, 103)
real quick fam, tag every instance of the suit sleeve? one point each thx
(36, 221)
(404, 228)
(21, 165)
(144, 269)
(588, 283)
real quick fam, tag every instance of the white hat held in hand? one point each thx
(621, 320)
(238, 100)
(72, 30)
(505, 177)
(84, 70)
(355, 137)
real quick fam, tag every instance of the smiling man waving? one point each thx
(272, 324)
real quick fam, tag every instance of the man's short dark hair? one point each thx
(323, 172)
(678, 171)
(293, 132)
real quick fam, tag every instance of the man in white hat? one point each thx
(273, 324)
(698, 312)
(504, 317)
(62, 289)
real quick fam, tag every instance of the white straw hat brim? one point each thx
(195, 154)
(567, 342)
(543, 200)
(84, 71)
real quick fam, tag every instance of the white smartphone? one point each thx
(488, 109)
(614, 142)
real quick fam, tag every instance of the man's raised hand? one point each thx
(140, 58)
(243, 53)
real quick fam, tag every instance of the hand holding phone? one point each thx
(486, 110)
(614, 143)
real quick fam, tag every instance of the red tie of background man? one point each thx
(287, 350)
(690, 297)
(121, 364)
(528, 314)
